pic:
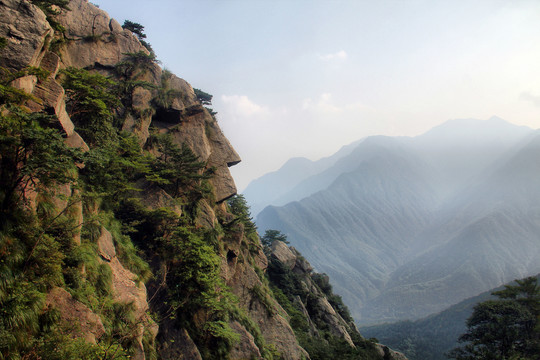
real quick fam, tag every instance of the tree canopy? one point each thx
(135, 28)
(504, 328)
(271, 235)
(204, 97)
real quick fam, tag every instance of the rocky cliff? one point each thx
(121, 236)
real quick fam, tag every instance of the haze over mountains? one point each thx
(406, 227)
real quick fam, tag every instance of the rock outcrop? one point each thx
(260, 325)
(26, 30)
(84, 322)
(389, 354)
(323, 311)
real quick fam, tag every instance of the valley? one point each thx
(406, 227)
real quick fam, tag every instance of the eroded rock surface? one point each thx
(26, 29)
(83, 321)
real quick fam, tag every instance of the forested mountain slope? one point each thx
(431, 337)
(414, 225)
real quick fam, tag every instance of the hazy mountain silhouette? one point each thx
(409, 226)
(282, 186)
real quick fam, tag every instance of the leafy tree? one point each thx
(135, 65)
(138, 30)
(203, 97)
(111, 170)
(505, 328)
(33, 157)
(273, 235)
(239, 207)
(135, 28)
(91, 101)
(176, 168)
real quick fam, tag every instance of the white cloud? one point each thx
(527, 96)
(241, 105)
(340, 55)
(327, 104)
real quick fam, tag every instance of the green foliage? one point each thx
(135, 65)
(289, 289)
(177, 169)
(33, 245)
(3, 42)
(130, 73)
(12, 95)
(211, 112)
(203, 97)
(34, 157)
(47, 5)
(91, 100)
(273, 235)
(49, 8)
(165, 95)
(238, 206)
(222, 339)
(130, 256)
(262, 294)
(111, 170)
(505, 328)
(334, 347)
(34, 253)
(37, 249)
(188, 275)
(297, 319)
(135, 28)
(138, 30)
(195, 285)
(323, 282)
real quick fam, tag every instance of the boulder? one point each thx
(281, 252)
(388, 354)
(177, 344)
(153, 197)
(93, 39)
(246, 347)
(335, 323)
(26, 28)
(105, 245)
(25, 83)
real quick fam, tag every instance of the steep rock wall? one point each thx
(91, 40)
(87, 38)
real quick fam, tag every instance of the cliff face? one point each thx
(321, 321)
(150, 260)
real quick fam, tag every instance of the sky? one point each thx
(302, 78)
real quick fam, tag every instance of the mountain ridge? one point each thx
(456, 208)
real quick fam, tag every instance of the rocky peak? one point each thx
(108, 252)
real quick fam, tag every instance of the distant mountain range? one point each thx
(288, 183)
(406, 227)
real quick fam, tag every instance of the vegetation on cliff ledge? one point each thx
(113, 244)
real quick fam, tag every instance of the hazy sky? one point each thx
(302, 78)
